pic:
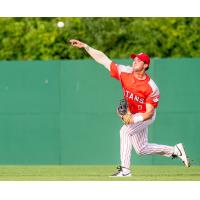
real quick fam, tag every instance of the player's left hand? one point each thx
(124, 113)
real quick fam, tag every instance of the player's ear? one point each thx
(145, 66)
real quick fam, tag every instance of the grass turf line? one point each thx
(97, 173)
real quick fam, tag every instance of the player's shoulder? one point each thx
(124, 68)
(153, 85)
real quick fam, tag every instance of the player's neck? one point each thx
(140, 75)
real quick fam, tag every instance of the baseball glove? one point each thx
(123, 112)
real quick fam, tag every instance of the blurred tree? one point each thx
(40, 39)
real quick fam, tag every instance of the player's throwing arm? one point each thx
(99, 56)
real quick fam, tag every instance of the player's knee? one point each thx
(140, 151)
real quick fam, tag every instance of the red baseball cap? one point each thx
(142, 56)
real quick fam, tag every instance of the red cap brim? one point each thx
(133, 56)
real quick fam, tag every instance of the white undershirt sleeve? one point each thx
(99, 57)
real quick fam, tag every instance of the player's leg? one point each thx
(142, 147)
(125, 152)
(125, 146)
(139, 138)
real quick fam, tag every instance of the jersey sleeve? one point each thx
(154, 100)
(154, 96)
(116, 70)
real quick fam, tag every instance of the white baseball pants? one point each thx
(136, 136)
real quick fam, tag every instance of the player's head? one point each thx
(141, 61)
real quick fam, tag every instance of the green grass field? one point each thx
(97, 173)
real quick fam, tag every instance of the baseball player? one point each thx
(141, 97)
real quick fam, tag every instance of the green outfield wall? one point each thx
(63, 112)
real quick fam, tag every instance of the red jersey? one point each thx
(136, 92)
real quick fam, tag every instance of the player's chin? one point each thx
(135, 68)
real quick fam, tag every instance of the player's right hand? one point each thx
(77, 43)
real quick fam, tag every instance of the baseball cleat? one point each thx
(180, 152)
(121, 173)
